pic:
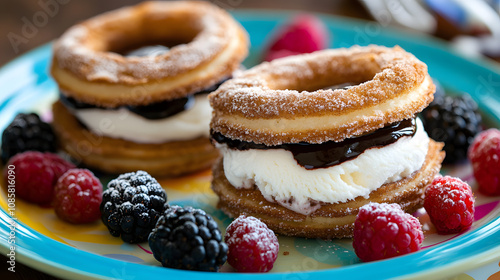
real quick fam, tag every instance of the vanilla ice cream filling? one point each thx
(124, 124)
(281, 179)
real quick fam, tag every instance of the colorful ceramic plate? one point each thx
(45, 243)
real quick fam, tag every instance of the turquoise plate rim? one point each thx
(470, 250)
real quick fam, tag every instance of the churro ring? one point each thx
(330, 220)
(278, 102)
(212, 45)
(118, 156)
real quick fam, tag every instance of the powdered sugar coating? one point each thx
(84, 48)
(268, 103)
(384, 209)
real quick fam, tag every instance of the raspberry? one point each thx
(450, 204)
(384, 230)
(304, 34)
(36, 175)
(78, 194)
(484, 154)
(188, 238)
(253, 247)
(59, 165)
(27, 133)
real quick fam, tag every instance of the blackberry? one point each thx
(454, 121)
(27, 133)
(188, 238)
(131, 206)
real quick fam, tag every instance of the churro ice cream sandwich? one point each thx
(307, 140)
(134, 82)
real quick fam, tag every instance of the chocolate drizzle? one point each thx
(163, 109)
(70, 102)
(155, 111)
(313, 156)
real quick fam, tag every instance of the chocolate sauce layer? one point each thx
(313, 156)
(164, 109)
(155, 111)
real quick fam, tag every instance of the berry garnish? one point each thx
(484, 154)
(450, 204)
(37, 174)
(304, 34)
(27, 133)
(77, 196)
(384, 230)
(454, 121)
(253, 247)
(188, 238)
(131, 206)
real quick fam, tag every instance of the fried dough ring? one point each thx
(331, 220)
(212, 46)
(279, 102)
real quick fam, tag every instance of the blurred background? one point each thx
(471, 26)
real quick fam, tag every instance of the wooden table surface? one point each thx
(65, 13)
